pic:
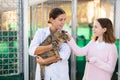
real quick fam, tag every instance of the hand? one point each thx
(40, 60)
(92, 60)
(69, 36)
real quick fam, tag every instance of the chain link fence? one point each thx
(9, 40)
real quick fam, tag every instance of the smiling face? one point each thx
(98, 30)
(103, 30)
(57, 18)
(58, 22)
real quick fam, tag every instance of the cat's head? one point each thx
(61, 35)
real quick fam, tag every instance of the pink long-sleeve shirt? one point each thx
(103, 57)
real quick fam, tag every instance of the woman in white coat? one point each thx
(58, 70)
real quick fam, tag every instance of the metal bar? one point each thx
(74, 24)
(25, 29)
(20, 36)
(42, 10)
(117, 18)
(0, 21)
(117, 29)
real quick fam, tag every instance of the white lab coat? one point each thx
(55, 71)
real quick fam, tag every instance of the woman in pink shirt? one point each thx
(100, 52)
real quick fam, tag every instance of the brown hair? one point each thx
(108, 36)
(55, 12)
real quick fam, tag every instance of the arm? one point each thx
(64, 55)
(77, 50)
(34, 48)
(106, 66)
(42, 49)
(47, 61)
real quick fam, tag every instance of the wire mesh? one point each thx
(8, 37)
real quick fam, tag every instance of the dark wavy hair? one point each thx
(108, 36)
(55, 12)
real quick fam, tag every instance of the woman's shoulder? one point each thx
(111, 45)
(91, 41)
(42, 29)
